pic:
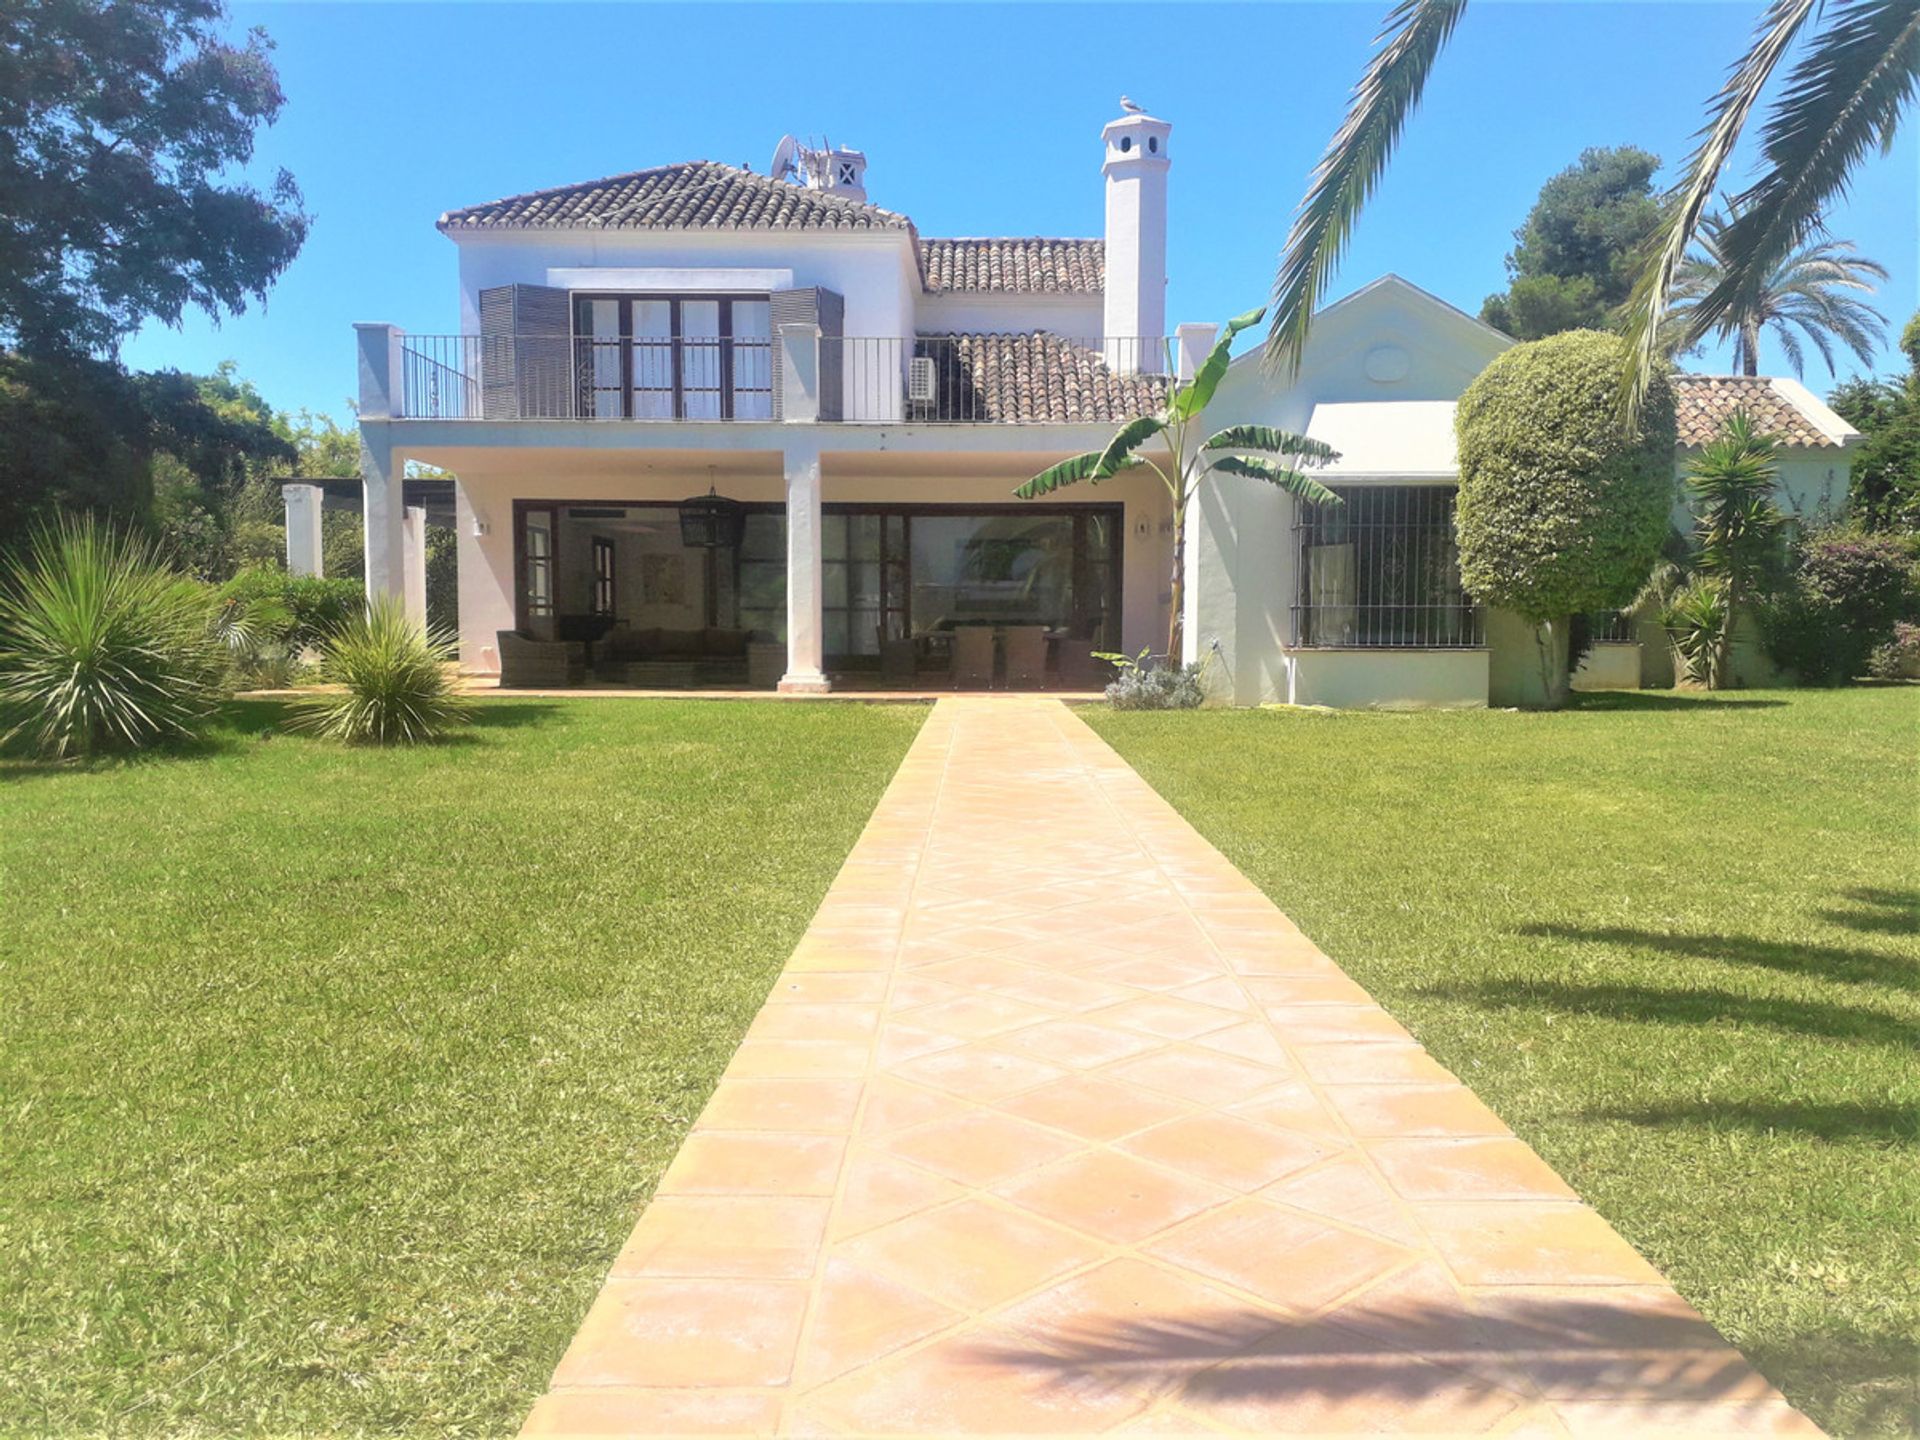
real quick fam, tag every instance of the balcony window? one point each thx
(674, 357)
(1381, 570)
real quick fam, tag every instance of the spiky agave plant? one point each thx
(395, 685)
(103, 645)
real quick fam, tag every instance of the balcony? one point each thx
(998, 379)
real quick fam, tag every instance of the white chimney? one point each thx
(838, 171)
(1136, 293)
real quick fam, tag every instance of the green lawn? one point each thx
(331, 1080)
(1671, 939)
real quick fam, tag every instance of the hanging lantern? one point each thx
(712, 521)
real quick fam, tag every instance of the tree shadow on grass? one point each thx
(1856, 965)
(515, 715)
(1846, 1121)
(1647, 1004)
(1628, 701)
(1879, 912)
(1869, 1381)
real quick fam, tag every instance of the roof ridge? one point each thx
(476, 215)
(1003, 239)
(620, 178)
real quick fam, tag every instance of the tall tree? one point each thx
(1571, 266)
(1848, 90)
(1815, 291)
(1886, 467)
(119, 123)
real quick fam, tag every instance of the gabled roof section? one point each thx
(694, 195)
(1777, 406)
(1351, 310)
(1017, 265)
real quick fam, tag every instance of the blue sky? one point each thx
(976, 120)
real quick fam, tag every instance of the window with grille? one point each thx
(1381, 570)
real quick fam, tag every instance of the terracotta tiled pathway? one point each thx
(1054, 1124)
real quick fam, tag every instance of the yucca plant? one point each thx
(1737, 527)
(395, 685)
(1695, 618)
(103, 645)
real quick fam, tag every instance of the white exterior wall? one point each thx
(874, 271)
(1812, 489)
(1388, 679)
(1073, 317)
(1609, 665)
(1242, 574)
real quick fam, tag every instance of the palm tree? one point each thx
(1845, 93)
(1808, 291)
(1187, 462)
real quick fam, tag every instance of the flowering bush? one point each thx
(1846, 590)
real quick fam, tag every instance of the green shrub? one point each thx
(103, 646)
(397, 685)
(1148, 682)
(1839, 604)
(1562, 510)
(314, 607)
(1899, 658)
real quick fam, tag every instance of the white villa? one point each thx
(712, 427)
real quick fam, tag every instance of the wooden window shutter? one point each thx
(526, 353)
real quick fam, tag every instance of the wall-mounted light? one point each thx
(481, 529)
(1142, 528)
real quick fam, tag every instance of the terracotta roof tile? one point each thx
(1036, 378)
(1704, 403)
(696, 195)
(1015, 265)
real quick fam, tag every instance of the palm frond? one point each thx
(1415, 33)
(1194, 396)
(1294, 482)
(1844, 96)
(1271, 440)
(1688, 201)
(1070, 471)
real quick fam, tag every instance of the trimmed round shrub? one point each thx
(1562, 509)
(396, 684)
(103, 646)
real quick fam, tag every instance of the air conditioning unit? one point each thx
(920, 379)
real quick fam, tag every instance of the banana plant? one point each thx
(1255, 452)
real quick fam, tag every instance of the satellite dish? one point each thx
(783, 154)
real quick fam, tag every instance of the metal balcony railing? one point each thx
(1034, 378)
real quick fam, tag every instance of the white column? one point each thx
(382, 371)
(413, 546)
(304, 551)
(799, 373)
(1193, 344)
(805, 625)
(380, 472)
